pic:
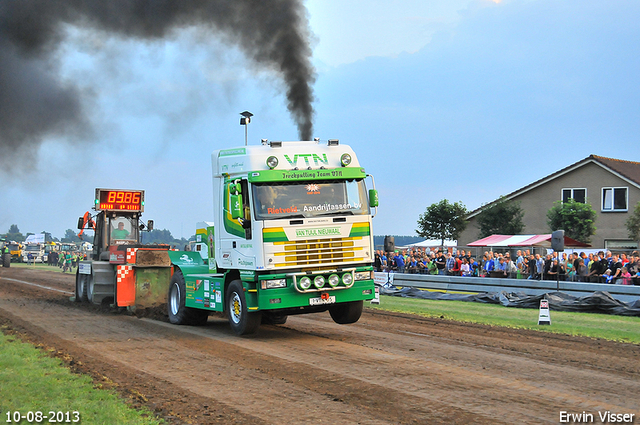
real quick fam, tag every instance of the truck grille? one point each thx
(315, 252)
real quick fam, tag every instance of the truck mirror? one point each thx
(235, 188)
(373, 198)
(150, 225)
(236, 206)
(80, 222)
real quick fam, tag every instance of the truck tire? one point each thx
(81, 288)
(6, 260)
(178, 313)
(241, 320)
(346, 313)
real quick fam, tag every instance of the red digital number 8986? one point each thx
(124, 197)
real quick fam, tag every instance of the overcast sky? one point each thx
(464, 100)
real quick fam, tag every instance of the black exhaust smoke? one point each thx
(35, 103)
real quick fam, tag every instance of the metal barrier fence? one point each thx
(459, 284)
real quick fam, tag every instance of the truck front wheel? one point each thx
(346, 313)
(6, 260)
(242, 322)
(178, 313)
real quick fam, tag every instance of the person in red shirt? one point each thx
(623, 259)
(456, 267)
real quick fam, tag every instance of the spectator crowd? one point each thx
(66, 260)
(600, 267)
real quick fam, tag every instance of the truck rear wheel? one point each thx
(81, 288)
(6, 260)
(346, 313)
(179, 314)
(242, 322)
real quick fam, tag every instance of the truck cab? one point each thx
(292, 236)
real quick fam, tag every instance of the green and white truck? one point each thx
(292, 236)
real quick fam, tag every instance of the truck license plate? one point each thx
(320, 301)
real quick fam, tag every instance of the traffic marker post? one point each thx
(376, 298)
(544, 318)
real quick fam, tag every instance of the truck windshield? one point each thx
(310, 199)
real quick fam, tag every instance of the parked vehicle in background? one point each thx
(15, 250)
(37, 252)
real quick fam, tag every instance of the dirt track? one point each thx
(385, 369)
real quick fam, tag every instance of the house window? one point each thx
(578, 195)
(620, 244)
(614, 198)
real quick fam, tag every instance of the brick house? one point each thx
(611, 186)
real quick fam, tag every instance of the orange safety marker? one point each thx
(125, 286)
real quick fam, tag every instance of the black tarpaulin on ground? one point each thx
(598, 302)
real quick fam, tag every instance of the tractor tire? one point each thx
(81, 288)
(346, 313)
(178, 313)
(241, 320)
(6, 260)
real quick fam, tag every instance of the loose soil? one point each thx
(386, 369)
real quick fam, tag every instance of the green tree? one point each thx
(503, 217)
(162, 236)
(14, 234)
(70, 236)
(575, 218)
(443, 220)
(633, 223)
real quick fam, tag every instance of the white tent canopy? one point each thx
(430, 243)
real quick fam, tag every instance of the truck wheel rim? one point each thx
(235, 307)
(175, 299)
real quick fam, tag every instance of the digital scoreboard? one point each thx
(119, 200)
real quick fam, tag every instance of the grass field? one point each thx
(34, 382)
(40, 266)
(616, 328)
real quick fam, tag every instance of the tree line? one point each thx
(154, 237)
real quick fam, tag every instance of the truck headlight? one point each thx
(272, 162)
(364, 275)
(318, 281)
(334, 280)
(274, 283)
(345, 159)
(347, 279)
(305, 283)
